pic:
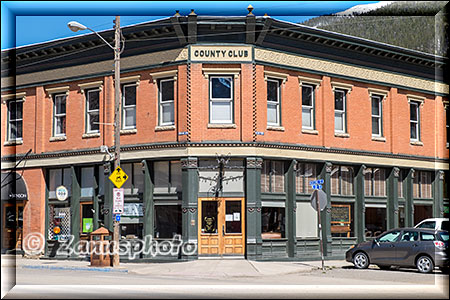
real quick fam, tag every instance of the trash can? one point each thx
(100, 248)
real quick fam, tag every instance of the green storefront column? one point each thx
(325, 215)
(409, 196)
(360, 207)
(47, 211)
(75, 208)
(148, 229)
(438, 194)
(253, 207)
(108, 199)
(97, 170)
(291, 207)
(392, 198)
(190, 204)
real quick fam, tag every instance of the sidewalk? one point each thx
(198, 268)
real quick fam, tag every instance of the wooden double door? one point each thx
(221, 226)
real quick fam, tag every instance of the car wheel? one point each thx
(360, 260)
(384, 267)
(424, 264)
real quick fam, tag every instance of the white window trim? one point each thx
(341, 86)
(54, 95)
(275, 75)
(417, 122)
(310, 108)
(278, 103)
(309, 81)
(160, 110)
(207, 72)
(230, 100)
(124, 107)
(172, 74)
(8, 103)
(88, 112)
(380, 116)
(342, 112)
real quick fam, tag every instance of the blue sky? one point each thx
(30, 22)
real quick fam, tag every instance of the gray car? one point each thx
(424, 249)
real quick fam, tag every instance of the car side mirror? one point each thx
(376, 241)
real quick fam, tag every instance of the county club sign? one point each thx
(217, 53)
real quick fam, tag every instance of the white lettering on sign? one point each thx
(221, 53)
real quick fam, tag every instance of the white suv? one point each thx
(434, 223)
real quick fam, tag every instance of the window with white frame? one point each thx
(129, 106)
(166, 102)
(273, 102)
(92, 111)
(59, 115)
(221, 99)
(340, 110)
(414, 118)
(15, 119)
(377, 125)
(308, 99)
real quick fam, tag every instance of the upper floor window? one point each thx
(308, 104)
(221, 99)
(342, 180)
(92, 111)
(166, 102)
(340, 107)
(377, 125)
(414, 117)
(129, 106)
(15, 119)
(59, 115)
(272, 176)
(273, 102)
(375, 182)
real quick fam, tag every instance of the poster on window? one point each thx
(133, 210)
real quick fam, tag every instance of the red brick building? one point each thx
(225, 121)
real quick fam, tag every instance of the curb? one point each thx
(75, 269)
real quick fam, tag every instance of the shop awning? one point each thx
(13, 187)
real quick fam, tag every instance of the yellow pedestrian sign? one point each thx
(118, 177)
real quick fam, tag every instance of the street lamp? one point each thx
(75, 26)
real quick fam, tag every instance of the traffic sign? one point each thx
(118, 201)
(118, 177)
(316, 182)
(322, 199)
(118, 218)
(62, 193)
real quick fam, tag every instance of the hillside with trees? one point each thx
(417, 25)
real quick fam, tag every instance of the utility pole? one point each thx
(116, 126)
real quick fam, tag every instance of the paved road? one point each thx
(340, 282)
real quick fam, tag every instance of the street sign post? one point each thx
(319, 202)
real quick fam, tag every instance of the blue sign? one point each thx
(259, 133)
(183, 133)
(317, 186)
(316, 182)
(118, 218)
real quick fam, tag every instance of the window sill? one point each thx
(165, 128)
(416, 143)
(13, 143)
(222, 126)
(275, 128)
(310, 131)
(341, 135)
(128, 131)
(378, 139)
(90, 135)
(58, 138)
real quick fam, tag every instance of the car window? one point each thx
(424, 236)
(444, 225)
(444, 236)
(409, 236)
(389, 237)
(428, 224)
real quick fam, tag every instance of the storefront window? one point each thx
(375, 182)
(272, 176)
(422, 184)
(58, 177)
(342, 220)
(422, 212)
(273, 223)
(375, 219)
(306, 219)
(59, 222)
(305, 173)
(135, 182)
(342, 180)
(167, 221)
(400, 184)
(87, 182)
(87, 217)
(167, 176)
(401, 216)
(131, 222)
